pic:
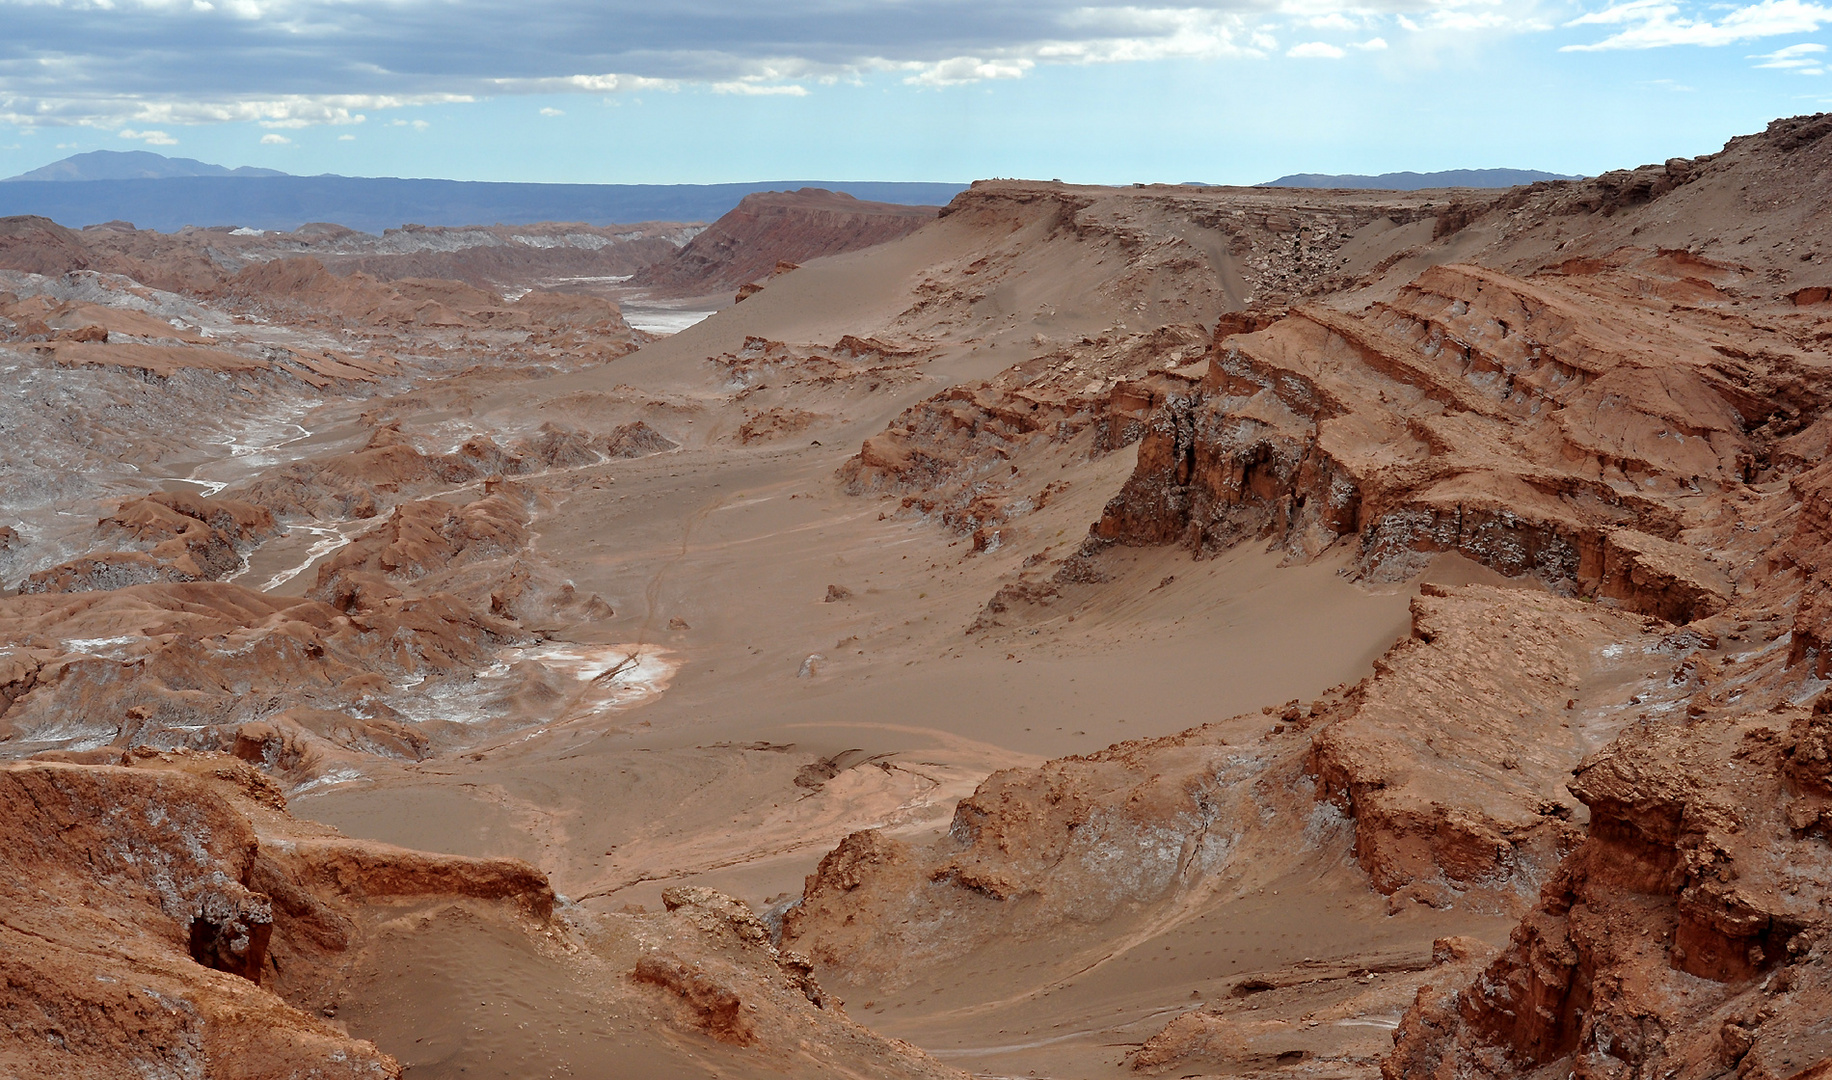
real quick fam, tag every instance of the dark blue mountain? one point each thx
(279, 201)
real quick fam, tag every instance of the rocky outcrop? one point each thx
(164, 912)
(773, 227)
(1809, 550)
(180, 537)
(390, 466)
(1511, 421)
(38, 245)
(955, 455)
(1452, 760)
(1059, 850)
(196, 650)
(416, 539)
(1248, 1029)
(636, 439)
(1686, 937)
(1033, 852)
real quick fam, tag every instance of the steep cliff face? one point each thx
(1553, 428)
(165, 917)
(1453, 758)
(1809, 550)
(1686, 937)
(769, 227)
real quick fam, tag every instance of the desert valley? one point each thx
(1074, 632)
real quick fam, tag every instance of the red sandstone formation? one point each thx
(166, 913)
(1514, 423)
(194, 650)
(943, 455)
(769, 229)
(184, 538)
(1686, 937)
(191, 921)
(39, 245)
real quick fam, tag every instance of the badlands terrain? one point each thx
(1078, 632)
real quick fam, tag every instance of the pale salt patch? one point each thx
(634, 673)
(73, 734)
(660, 320)
(616, 677)
(108, 648)
(330, 538)
(333, 778)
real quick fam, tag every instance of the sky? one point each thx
(710, 91)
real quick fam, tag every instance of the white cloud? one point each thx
(346, 138)
(960, 70)
(593, 84)
(274, 113)
(1335, 20)
(553, 112)
(150, 138)
(760, 89)
(1315, 50)
(274, 140)
(420, 125)
(1654, 24)
(1802, 59)
(287, 64)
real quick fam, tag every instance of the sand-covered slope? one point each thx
(165, 915)
(772, 229)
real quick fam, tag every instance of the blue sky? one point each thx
(702, 91)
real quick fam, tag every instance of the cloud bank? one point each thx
(152, 64)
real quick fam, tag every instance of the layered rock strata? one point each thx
(1521, 424)
(1686, 937)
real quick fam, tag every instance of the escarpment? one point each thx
(770, 232)
(1549, 428)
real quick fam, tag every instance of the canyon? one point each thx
(1072, 632)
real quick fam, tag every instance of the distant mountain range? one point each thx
(1413, 181)
(156, 192)
(132, 165)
